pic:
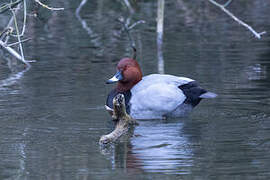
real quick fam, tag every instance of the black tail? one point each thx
(194, 93)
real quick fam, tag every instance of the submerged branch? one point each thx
(223, 8)
(123, 121)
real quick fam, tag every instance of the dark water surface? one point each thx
(52, 116)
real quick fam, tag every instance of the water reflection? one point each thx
(256, 72)
(93, 36)
(13, 154)
(156, 146)
(162, 147)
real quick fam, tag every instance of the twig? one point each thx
(136, 23)
(227, 3)
(24, 19)
(128, 28)
(11, 51)
(11, 21)
(6, 32)
(6, 7)
(13, 44)
(9, 30)
(222, 7)
(129, 6)
(46, 6)
(19, 39)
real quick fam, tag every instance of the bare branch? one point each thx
(24, 19)
(127, 28)
(129, 6)
(6, 32)
(11, 21)
(19, 38)
(6, 7)
(135, 24)
(132, 43)
(227, 3)
(222, 7)
(47, 7)
(13, 44)
(11, 51)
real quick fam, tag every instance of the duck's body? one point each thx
(157, 96)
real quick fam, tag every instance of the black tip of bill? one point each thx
(117, 77)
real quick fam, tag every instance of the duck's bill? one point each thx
(117, 77)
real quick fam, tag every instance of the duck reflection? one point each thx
(156, 146)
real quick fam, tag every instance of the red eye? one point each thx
(124, 68)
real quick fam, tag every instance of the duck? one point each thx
(154, 96)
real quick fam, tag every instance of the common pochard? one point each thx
(154, 96)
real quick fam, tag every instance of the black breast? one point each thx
(113, 93)
(192, 91)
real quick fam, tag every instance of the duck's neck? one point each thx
(125, 86)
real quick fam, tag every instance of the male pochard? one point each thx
(154, 96)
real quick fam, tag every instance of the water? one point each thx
(52, 116)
